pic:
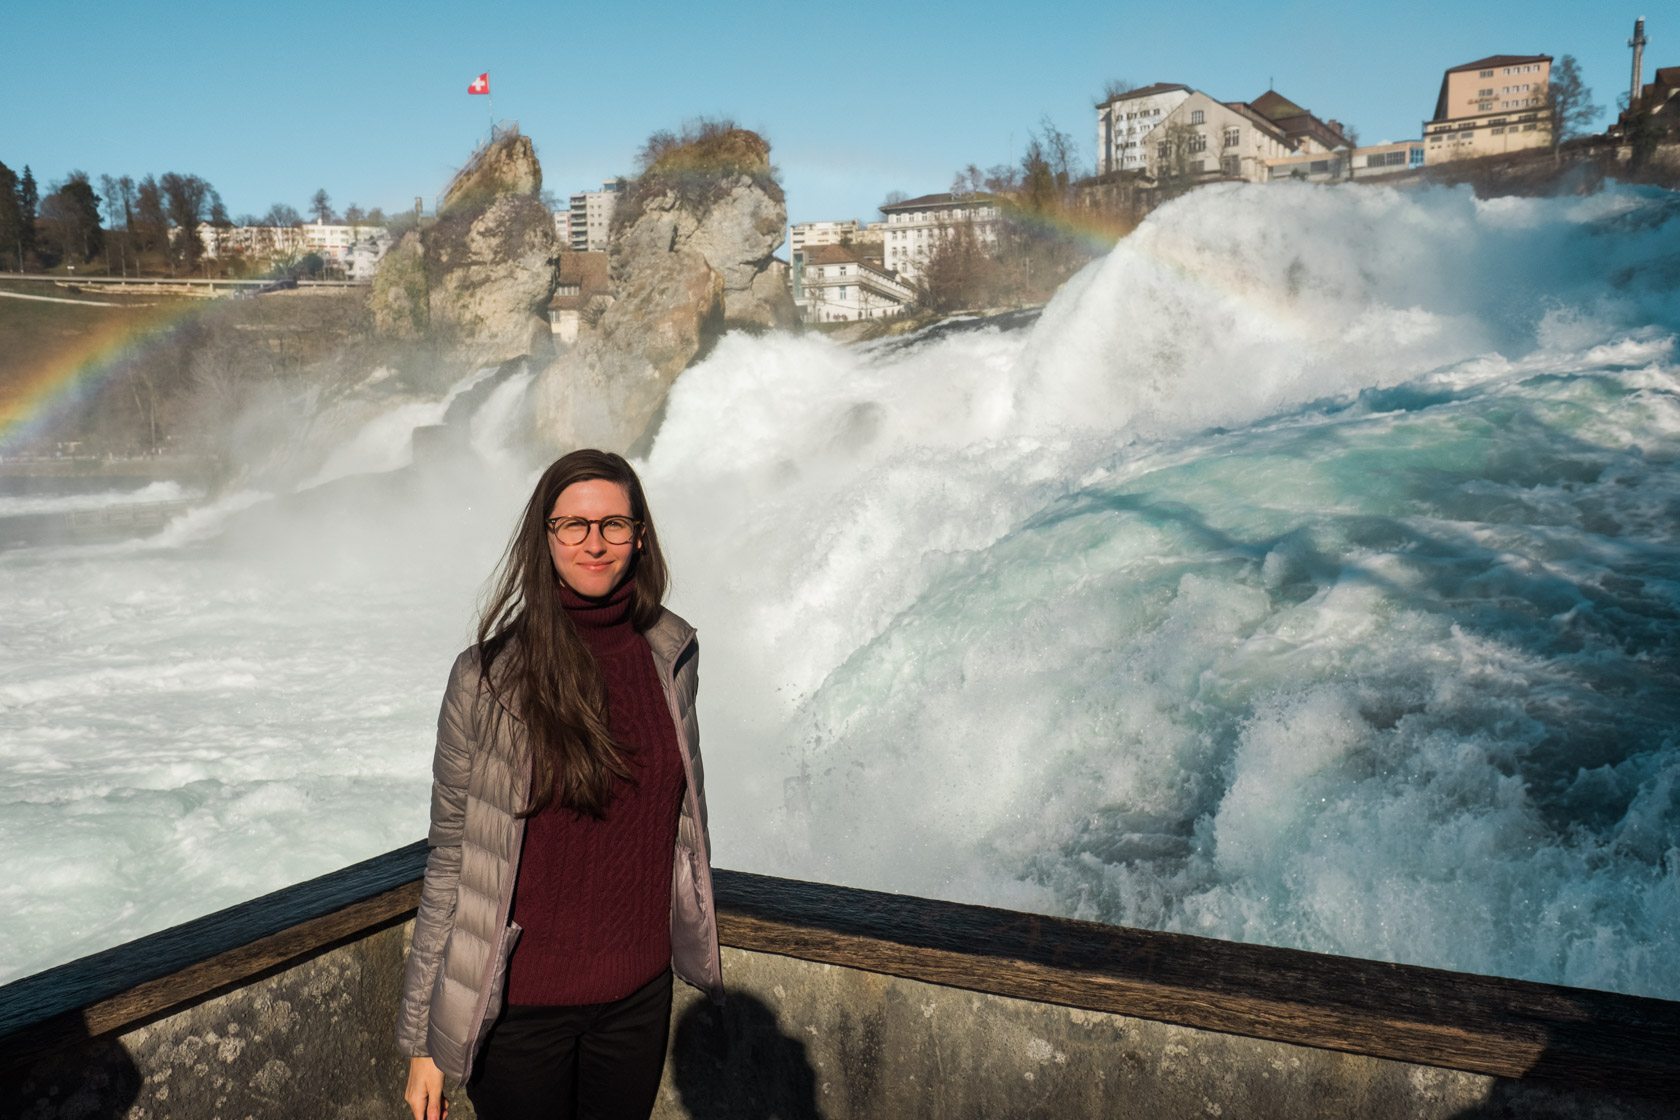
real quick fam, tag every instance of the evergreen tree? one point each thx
(29, 199)
(186, 198)
(11, 219)
(151, 224)
(321, 206)
(80, 210)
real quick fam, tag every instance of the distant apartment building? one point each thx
(1124, 120)
(253, 242)
(1489, 107)
(356, 249)
(915, 227)
(1356, 163)
(803, 234)
(563, 225)
(837, 285)
(1202, 137)
(591, 215)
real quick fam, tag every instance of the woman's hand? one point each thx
(425, 1090)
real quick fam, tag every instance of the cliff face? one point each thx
(508, 166)
(480, 278)
(690, 253)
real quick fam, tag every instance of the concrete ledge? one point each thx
(844, 1003)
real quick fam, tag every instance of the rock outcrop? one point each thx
(691, 255)
(507, 166)
(479, 279)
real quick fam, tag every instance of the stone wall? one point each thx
(312, 1040)
(797, 1040)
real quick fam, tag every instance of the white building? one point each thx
(368, 248)
(592, 212)
(915, 227)
(1125, 119)
(563, 226)
(1204, 137)
(1358, 163)
(836, 285)
(253, 242)
(803, 234)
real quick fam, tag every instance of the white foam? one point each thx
(1308, 575)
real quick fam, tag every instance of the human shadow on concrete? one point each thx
(58, 1073)
(736, 1063)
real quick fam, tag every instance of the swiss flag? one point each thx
(480, 84)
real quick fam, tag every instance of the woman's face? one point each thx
(593, 568)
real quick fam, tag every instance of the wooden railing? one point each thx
(1483, 1024)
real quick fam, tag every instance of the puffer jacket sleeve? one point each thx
(451, 769)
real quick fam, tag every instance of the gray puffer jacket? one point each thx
(463, 935)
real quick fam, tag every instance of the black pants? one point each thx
(597, 1061)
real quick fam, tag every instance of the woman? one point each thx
(568, 764)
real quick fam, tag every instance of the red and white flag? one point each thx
(480, 84)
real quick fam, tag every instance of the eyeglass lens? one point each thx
(574, 530)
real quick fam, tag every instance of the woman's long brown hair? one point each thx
(551, 678)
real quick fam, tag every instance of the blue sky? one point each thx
(368, 99)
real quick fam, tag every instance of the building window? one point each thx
(1233, 136)
(1196, 166)
(1230, 165)
(1195, 116)
(1484, 93)
(1417, 157)
(1487, 73)
(1165, 150)
(1319, 167)
(1198, 143)
(842, 291)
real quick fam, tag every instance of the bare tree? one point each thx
(1568, 105)
(1113, 88)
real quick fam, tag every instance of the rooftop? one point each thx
(929, 200)
(1494, 61)
(1145, 91)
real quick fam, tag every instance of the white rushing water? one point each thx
(1308, 576)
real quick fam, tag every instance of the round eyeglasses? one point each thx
(575, 530)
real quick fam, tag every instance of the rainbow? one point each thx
(115, 342)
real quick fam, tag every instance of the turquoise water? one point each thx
(1186, 611)
(1307, 575)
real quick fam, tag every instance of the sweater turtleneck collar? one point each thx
(605, 618)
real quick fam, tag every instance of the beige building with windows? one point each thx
(838, 285)
(809, 234)
(1340, 166)
(916, 226)
(1489, 107)
(592, 213)
(1125, 119)
(1204, 138)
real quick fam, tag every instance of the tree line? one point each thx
(132, 227)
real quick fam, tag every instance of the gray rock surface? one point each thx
(478, 280)
(691, 253)
(489, 275)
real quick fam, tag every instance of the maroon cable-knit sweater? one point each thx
(594, 896)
